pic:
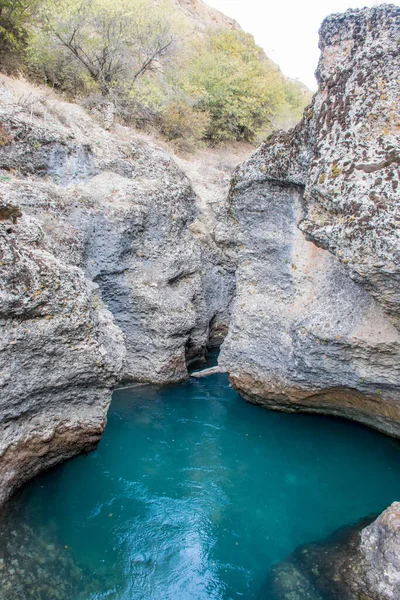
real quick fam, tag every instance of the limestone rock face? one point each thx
(352, 564)
(315, 321)
(106, 275)
(352, 196)
(120, 208)
(380, 552)
(60, 355)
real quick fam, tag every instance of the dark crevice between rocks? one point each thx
(218, 330)
(207, 356)
(209, 360)
(194, 356)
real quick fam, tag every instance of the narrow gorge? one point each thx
(124, 267)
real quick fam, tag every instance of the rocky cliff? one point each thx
(106, 276)
(315, 213)
(119, 208)
(60, 355)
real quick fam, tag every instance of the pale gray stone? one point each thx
(307, 333)
(106, 276)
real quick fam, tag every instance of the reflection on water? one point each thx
(192, 494)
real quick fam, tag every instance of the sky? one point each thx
(288, 29)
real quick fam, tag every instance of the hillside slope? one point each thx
(177, 67)
(205, 16)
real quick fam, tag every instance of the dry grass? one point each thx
(38, 101)
(208, 169)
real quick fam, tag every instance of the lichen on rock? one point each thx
(60, 356)
(354, 172)
(315, 323)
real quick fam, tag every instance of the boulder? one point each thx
(315, 321)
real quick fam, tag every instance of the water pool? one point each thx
(192, 494)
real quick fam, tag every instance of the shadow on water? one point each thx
(322, 570)
(193, 494)
(211, 361)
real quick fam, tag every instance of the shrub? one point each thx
(231, 80)
(182, 121)
(15, 15)
(108, 44)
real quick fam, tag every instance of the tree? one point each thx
(113, 42)
(14, 15)
(148, 59)
(229, 78)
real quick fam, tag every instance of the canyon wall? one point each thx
(315, 216)
(60, 355)
(119, 208)
(107, 275)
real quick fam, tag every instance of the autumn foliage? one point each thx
(148, 59)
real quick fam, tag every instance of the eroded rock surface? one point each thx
(120, 208)
(60, 355)
(108, 274)
(352, 195)
(355, 563)
(315, 322)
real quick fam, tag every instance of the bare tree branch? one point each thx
(114, 45)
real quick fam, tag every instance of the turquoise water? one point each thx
(193, 494)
